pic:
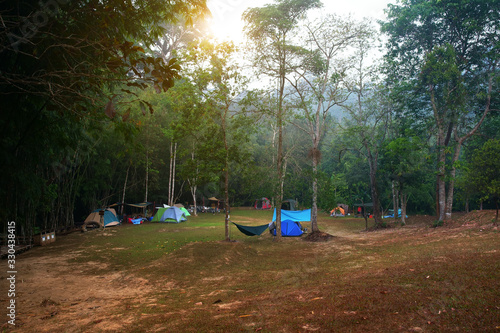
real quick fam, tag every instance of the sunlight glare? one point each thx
(225, 23)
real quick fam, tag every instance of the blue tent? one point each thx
(170, 214)
(288, 228)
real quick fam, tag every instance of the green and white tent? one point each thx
(170, 215)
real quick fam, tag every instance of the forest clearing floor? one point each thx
(181, 277)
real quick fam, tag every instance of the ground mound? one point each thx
(477, 218)
(318, 236)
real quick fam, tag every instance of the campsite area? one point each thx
(163, 277)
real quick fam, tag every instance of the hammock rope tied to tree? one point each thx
(251, 231)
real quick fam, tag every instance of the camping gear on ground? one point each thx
(109, 218)
(391, 214)
(251, 230)
(170, 214)
(136, 221)
(289, 228)
(262, 203)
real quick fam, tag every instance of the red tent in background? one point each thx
(263, 203)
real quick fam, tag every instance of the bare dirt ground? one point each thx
(50, 285)
(56, 293)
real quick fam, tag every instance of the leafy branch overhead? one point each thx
(84, 49)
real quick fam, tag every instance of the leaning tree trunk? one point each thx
(124, 189)
(173, 174)
(193, 193)
(169, 195)
(458, 147)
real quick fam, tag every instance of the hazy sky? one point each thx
(227, 13)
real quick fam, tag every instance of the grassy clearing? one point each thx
(412, 278)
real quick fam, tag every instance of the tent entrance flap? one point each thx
(251, 231)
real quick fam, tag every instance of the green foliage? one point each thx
(65, 69)
(441, 64)
(276, 19)
(438, 223)
(484, 170)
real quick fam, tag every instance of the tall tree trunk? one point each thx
(171, 180)
(147, 176)
(441, 184)
(437, 197)
(316, 155)
(226, 201)
(171, 165)
(496, 216)
(373, 187)
(442, 143)
(193, 185)
(279, 157)
(314, 210)
(394, 200)
(404, 202)
(226, 175)
(193, 193)
(451, 184)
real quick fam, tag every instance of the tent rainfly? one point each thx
(295, 215)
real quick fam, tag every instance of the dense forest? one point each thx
(118, 101)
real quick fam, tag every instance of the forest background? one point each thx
(113, 101)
